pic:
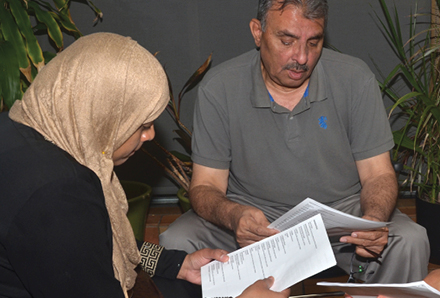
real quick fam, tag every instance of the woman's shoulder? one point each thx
(30, 159)
(32, 168)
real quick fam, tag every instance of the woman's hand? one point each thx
(192, 263)
(261, 289)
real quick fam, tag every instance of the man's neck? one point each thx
(286, 97)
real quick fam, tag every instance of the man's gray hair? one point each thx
(312, 9)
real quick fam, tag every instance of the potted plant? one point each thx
(139, 198)
(417, 142)
(21, 56)
(177, 165)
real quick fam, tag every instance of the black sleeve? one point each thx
(170, 262)
(157, 261)
(60, 244)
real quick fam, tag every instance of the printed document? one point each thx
(289, 256)
(419, 289)
(336, 222)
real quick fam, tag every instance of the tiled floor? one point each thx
(158, 220)
(161, 216)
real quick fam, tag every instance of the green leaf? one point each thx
(53, 30)
(48, 56)
(11, 33)
(9, 74)
(24, 24)
(402, 140)
(65, 18)
(66, 23)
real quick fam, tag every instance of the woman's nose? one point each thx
(149, 134)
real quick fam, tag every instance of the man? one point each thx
(288, 121)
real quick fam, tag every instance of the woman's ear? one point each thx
(257, 31)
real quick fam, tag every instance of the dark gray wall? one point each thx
(186, 32)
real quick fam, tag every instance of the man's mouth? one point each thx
(295, 75)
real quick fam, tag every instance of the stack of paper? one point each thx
(336, 222)
(419, 289)
(300, 250)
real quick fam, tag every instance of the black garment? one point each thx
(172, 288)
(55, 233)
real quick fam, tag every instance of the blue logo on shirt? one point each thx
(323, 122)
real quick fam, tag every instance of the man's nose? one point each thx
(300, 54)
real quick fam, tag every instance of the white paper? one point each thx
(289, 256)
(419, 289)
(336, 222)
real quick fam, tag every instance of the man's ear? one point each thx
(257, 31)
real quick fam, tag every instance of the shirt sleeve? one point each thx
(155, 260)
(60, 243)
(370, 130)
(211, 119)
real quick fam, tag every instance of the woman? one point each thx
(63, 225)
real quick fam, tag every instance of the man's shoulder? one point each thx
(239, 65)
(337, 60)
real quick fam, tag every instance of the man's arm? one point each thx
(378, 200)
(208, 199)
(379, 186)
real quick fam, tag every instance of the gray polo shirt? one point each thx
(279, 157)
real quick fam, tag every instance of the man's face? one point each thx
(290, 46)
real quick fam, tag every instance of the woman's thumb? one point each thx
(269, 281)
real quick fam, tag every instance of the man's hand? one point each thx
(250, 225)
(192, 263)
(369, 244)
(261, 288)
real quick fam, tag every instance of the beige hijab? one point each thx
(88, 101)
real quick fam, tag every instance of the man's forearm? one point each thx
(379, 196)
(212, 205)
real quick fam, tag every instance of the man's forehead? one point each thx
(274, 14)
(281, 7)
(278, 10)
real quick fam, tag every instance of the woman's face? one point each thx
(134, 143)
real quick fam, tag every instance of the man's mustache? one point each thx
(296, 66)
